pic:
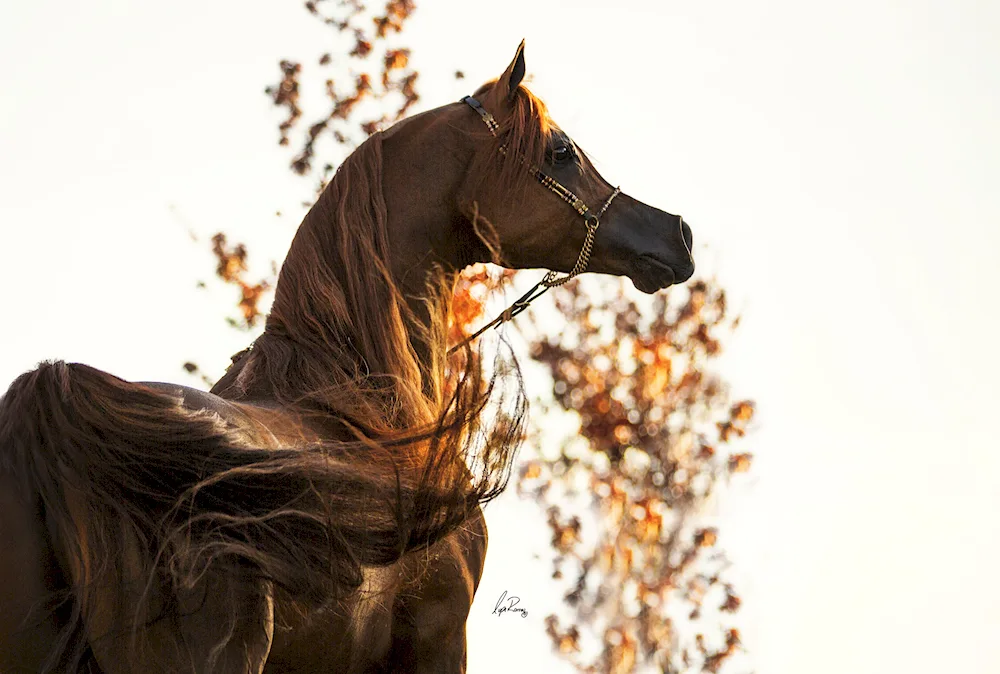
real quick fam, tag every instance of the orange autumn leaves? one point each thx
(231, 267)
(655, 427)
(380, 89)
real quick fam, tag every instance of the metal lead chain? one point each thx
(552, 280)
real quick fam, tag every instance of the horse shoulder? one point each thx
(242, 639)
(431, 610)
(28, 622)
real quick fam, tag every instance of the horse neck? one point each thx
(344, 309)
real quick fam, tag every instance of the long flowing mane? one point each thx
(339, 338)
(340, 344)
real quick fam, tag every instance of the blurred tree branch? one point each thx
(653, 446)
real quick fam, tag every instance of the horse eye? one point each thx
(562, 154)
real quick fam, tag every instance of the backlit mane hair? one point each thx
(338, 338)
(525, 133)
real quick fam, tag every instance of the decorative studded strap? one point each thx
(489, 119)
(551, 278)
(546, 180)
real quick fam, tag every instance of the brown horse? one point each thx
(319, 510)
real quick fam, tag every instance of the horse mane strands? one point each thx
(338, 336)
(525, 133)
(342, 343)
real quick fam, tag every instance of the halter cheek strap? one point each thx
(551, 279)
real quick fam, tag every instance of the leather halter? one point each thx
(551, 279)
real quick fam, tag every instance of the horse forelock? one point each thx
(524, 134)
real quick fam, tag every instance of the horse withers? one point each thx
(319, 509)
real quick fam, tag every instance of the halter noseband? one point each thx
(551, 279)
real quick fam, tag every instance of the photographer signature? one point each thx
(511, 606)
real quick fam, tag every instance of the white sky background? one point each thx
(839, 159)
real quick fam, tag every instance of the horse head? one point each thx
(520, 193)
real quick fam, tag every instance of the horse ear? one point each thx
(512, 77)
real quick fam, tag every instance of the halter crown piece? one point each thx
(551, 279)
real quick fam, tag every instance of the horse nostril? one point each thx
(686, 235)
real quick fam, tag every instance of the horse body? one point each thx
(30, 577)
(412, 611)
(319, 510)
(406, 617)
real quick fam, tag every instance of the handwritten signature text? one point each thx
(511, 605)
